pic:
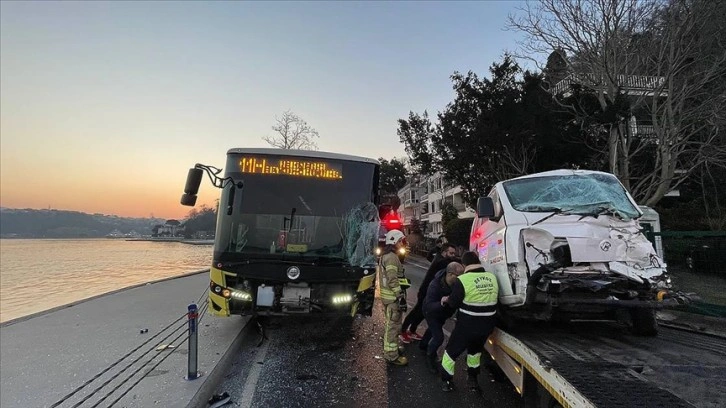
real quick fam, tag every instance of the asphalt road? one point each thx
(337, 362)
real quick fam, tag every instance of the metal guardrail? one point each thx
(149, 364)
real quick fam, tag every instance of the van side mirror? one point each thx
(485, 207)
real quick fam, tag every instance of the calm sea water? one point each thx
(40, 274)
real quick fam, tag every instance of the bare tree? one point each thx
(292, 133)
(646, 56)
(514, 162)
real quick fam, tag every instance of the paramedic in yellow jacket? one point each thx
(393, 285)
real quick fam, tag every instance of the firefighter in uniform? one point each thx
(393, 285)
(475, 294)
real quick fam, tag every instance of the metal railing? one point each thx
(160, 350)
(625, 82)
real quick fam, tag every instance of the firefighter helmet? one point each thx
(394, 237)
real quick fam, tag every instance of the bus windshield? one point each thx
(297, 209)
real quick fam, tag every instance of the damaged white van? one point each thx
(566, 244)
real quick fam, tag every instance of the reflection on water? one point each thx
(40, 274)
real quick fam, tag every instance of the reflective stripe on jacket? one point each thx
(481, 292)
(390, 270)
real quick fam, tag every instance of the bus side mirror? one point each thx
(485, 207)
(188, 200)
(194, 179)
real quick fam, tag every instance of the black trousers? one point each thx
(433, 338)
(469, 335)
(414, 317)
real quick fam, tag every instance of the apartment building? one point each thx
(422, 198)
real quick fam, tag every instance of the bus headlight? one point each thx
(240, 295)
(402, 251)
(378, 251)
(341, 299)
(230, 293)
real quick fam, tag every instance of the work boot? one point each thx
(473, 383)
(399, 361)
(448, 386)
(432, 363)
(424, 347)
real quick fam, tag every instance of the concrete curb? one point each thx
(78, 302)
(214, 378)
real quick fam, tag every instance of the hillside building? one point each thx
(422, 198)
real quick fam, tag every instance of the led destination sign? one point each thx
(291, 167)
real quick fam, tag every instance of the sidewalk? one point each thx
(49, 355)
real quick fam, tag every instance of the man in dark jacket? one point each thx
(415, 316)
(436, 250)
(475, 294)
(437, 313)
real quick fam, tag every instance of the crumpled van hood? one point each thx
(606, 243)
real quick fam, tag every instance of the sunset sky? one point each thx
(104, 106)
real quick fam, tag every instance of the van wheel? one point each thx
(643, 321)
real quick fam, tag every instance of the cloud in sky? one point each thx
(104, 106)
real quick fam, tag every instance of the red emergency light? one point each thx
(392, 221)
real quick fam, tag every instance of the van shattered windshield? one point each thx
(584, 194)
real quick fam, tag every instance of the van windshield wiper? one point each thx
(554, 212)
(598, 212)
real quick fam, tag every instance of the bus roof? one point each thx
(301, 153)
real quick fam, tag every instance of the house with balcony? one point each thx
(410, 196)
(638, 88)
(641, 90)
(422, 198)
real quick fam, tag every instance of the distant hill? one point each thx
(29, 223)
